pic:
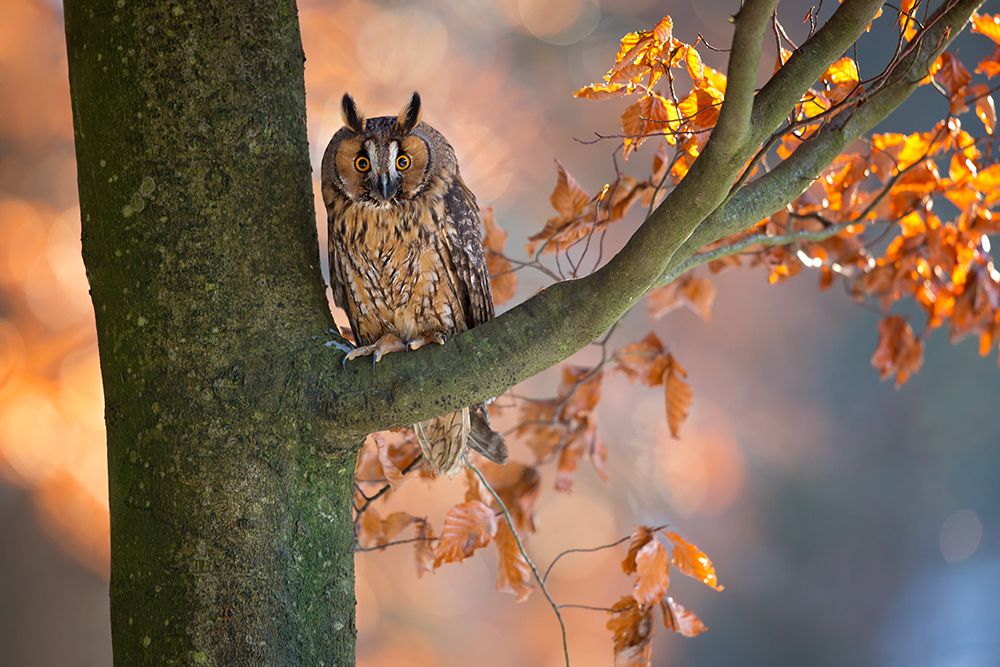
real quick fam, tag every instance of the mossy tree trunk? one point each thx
(230, 505)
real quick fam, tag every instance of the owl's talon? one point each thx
(343, 346)
(336, 344)
(426, 339)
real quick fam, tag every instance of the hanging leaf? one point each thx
(467, 527)
(693, 562)
(644, 361)
(641, 536)
(899, 351)
(423, 548)
(392, 473)
(513, 572)
(678, 395)
(632, 629)
(678, 619)
(986, 111)
(652, 577)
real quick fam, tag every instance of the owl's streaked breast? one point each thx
(398, 275)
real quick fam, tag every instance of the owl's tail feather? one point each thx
(442, 440)
(483, 438)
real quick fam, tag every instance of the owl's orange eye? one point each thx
(403, 162)
(362, 164)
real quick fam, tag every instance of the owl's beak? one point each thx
(387, 187)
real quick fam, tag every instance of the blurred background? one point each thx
(851, 523)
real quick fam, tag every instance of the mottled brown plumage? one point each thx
(406, 254)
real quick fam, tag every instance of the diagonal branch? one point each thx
(791, 177)
(807, 63)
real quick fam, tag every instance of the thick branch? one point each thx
(791, 177)
(777, 98)
(562, 319)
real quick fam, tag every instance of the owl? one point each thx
(406, 255)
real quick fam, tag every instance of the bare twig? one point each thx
(381, 547)
(610, 545)
(524, 554)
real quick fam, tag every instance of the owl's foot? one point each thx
(383, 346)
(425, 339)
(341, 344)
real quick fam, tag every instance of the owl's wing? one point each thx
(467, 255)
(338, 285)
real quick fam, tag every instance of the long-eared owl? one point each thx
(406, 255)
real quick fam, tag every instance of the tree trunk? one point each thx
(230, 504)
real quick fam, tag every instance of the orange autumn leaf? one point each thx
(693, 63)
(990, 65)
(539, 429)
(513, 572)
(467, 527)
(649, 115)
(568, 198)
(503, 281)
(987, 25)
(952, 75)
(899, 351)
(693, 562)
(664, 30)
(700, 108)
(693, 292)
(652, 576)
(678, 619)
(841, 78)
(907, 20)
(632, 629)
(518, 486)
(392, 473)
(641, 536)
(986, 111)
(575, 219)
(581, 391)
(376, 531)
(645, 360)
(423, 548)
(678, 395)
(601, 91)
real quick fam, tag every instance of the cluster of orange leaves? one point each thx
(631, 621)
(644, 59)
(890, 182)
(477, 522)
(466, 528)
(893, 181)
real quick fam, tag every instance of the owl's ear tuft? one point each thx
(350, 114)
(409, 116)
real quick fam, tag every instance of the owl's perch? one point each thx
(564, 318)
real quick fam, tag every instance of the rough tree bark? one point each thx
(231, 431)
(230, 505)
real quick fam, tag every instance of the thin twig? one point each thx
(524, 554)
(586, 606)
(380, 547)
(593, 549)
